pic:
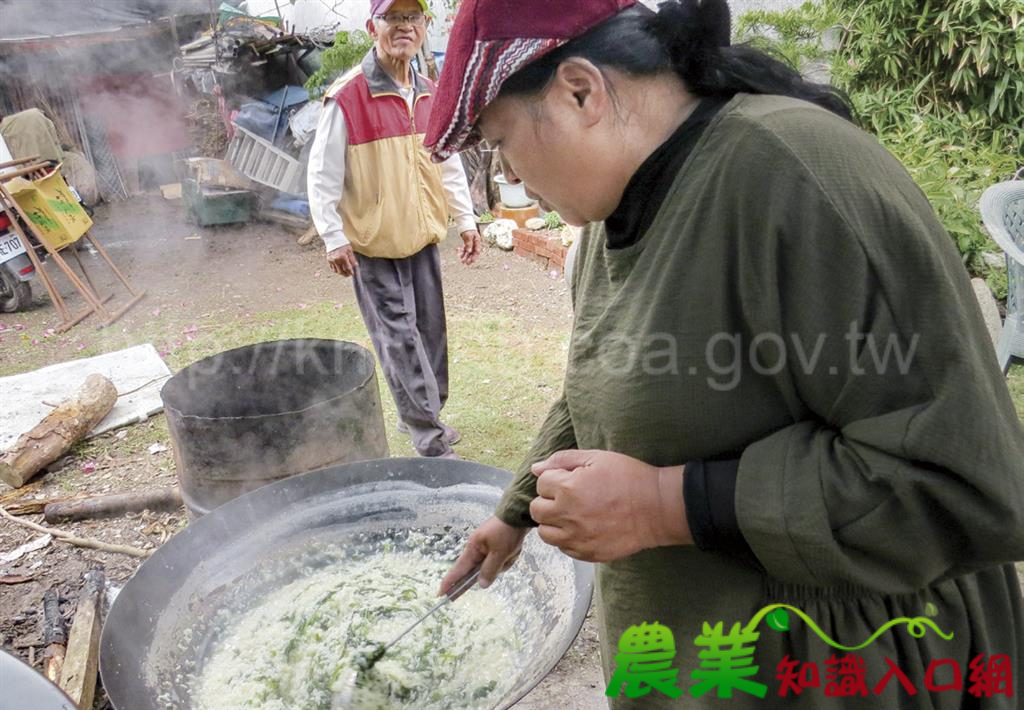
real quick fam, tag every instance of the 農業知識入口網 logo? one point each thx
(643, 664)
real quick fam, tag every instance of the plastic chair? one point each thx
(1002, 211)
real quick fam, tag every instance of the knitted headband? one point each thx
(492, 40)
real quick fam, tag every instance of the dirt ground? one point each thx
(212, 275)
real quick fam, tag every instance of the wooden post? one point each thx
(19, 161)
(78, 677)
(58, 432)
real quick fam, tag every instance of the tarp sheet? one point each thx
(40, 19)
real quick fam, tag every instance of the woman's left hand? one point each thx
(600, 506)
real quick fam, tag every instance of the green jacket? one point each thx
(752, 321)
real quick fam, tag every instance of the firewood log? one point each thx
(58, 432)
(157, 500)
(78, 677)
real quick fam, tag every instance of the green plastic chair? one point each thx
(1002, 211)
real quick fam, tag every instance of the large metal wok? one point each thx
(160, 626)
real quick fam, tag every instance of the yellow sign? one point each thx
(52, 208)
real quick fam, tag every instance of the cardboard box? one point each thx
(52, 208)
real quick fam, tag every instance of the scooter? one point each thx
(16, 270)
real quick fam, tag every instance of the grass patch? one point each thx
(503, 378)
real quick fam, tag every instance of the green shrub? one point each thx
(952, 55)
(348, 49)
(949, 166)
(793, 35)
(940, 83)
(553, 220)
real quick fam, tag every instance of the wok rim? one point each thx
(583, 576)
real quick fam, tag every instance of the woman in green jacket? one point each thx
(779, 389)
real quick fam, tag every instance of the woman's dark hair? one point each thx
(691, 37)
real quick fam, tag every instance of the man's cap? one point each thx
(379, 7)
(490, 41)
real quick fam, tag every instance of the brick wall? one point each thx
(544, 248)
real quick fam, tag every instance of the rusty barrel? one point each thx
(254, 415)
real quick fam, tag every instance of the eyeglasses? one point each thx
(416, 19)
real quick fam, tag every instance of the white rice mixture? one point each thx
(297, 648)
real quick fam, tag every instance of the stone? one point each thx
(989, 309)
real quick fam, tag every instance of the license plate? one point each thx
(10, 246)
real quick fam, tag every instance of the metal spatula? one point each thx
(366, 661)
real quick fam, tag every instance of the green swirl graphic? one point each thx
(917, 627)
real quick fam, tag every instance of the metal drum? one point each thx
(251, 416)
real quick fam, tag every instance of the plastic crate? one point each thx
(214, 206)
(258, 160)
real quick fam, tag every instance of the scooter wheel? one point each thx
(15, 295)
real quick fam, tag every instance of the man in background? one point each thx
(381, 206)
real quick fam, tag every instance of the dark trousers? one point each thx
(402, 303)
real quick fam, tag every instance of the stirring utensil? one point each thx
(367, 660)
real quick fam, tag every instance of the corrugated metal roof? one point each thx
(46, 19)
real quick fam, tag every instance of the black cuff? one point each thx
(709, 491)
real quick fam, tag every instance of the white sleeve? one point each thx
(326, 175)
(456, 188)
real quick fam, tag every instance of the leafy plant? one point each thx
(485, 218)
(553, 220)
(940, 83)
(348, 49)
(961, 55)
(795, 35)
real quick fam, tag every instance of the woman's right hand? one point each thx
(494, 546)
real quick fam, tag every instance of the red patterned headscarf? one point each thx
(492, 40)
